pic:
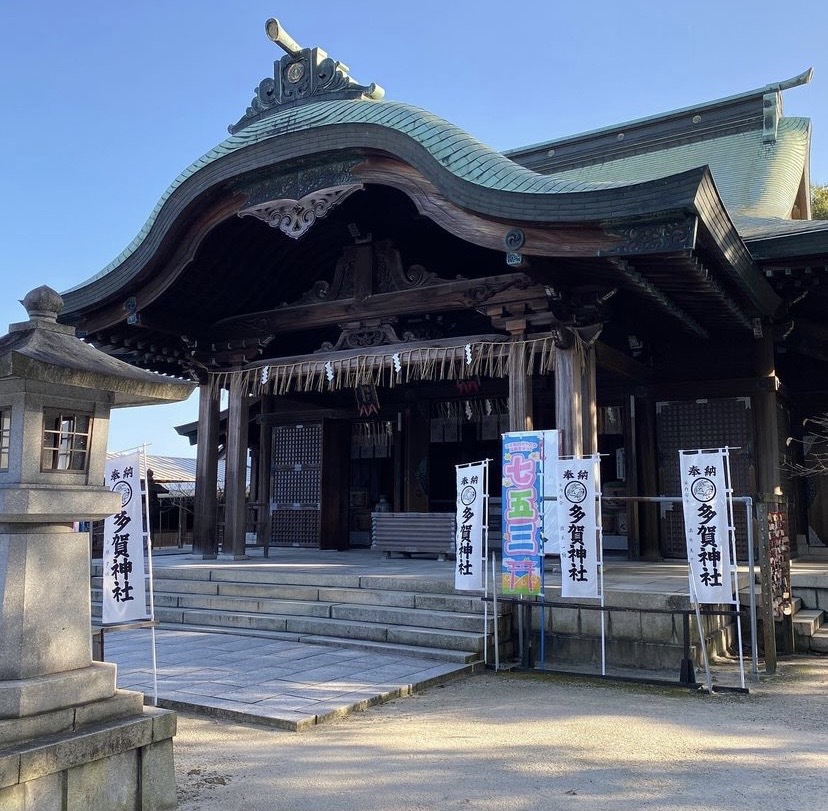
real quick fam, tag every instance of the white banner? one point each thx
(124, 577)
(706, 521)
(471, 515)
(577, 488)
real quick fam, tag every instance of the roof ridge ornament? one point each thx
(302, 75)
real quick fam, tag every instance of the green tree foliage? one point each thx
(819, 202)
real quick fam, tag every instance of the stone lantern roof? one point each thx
(44, 350)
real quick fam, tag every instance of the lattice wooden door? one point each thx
(694, 424)
(296, 490)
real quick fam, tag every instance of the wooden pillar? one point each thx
(764, 405)
(253, 462)
(521, 417)
(335, 485)
(205, 540)
(569, 380)
(589, 402)
(633, 487)
(264, 476)
(235, 505)
(417, 438)
(647, 453)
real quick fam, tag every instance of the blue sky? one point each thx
(104, 102)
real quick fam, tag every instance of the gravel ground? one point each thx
(509, 742)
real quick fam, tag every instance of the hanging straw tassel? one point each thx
(487, 359)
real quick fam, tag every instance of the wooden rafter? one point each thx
(646, 288)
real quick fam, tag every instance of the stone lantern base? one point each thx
(69, 740)
(112, 755)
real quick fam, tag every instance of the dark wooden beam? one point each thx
(433, 298)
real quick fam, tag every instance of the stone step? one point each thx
(362, 612)
(430, 600)
(796, 603)
(819, 641)
(811, 588)
(315, 626)
(463, 603)
(422, 617)
(806, 622)
(418, 651)
(262, 575)
(301, 608)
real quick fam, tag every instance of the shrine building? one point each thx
(379, 296)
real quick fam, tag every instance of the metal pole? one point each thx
(485, 619)
(754, 642)
(520, 630)
(494, 609)
(149, 578)
(687, 673)
(484, 560)
(600, 551)
(734, 576)
(702, 640)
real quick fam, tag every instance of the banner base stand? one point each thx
(687, 674)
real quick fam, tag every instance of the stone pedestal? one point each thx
(113, 755)
(69, 741)
(45, 618)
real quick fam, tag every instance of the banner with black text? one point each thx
(124, 568)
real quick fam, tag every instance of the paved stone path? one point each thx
(286, 684)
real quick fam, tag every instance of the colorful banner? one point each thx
(471, 516)
(578, 488)
(522, 558)
(704, 492)
(124, 578)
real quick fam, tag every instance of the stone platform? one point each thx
(121, 764)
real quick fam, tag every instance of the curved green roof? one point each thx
(455, 150)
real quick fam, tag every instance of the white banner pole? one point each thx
(703, 642)
(484, 556)
(149, 577)
(485, 625)
(754, 644)
(484, 560)
(735, 570)
(494, 609)
(599, 526)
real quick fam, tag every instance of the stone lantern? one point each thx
(68, 738)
